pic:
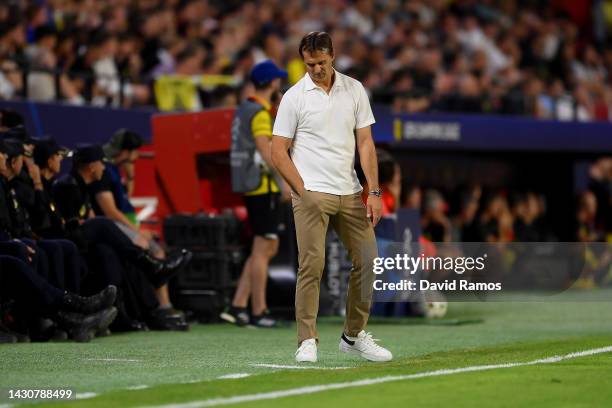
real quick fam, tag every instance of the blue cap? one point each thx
(265, 72)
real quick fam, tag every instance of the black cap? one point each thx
(45, 148)
(9, 118)
(123, 139)
(85, 154)
(20, 133)
(13, 148)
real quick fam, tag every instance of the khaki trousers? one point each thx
(313, 212)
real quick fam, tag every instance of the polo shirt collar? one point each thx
(310, 85)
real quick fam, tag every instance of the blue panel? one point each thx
(72, 125)
(490, 132)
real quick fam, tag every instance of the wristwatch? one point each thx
(377, 192)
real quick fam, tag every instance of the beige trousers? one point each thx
(313, 212)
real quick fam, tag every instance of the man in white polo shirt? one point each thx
(321, 120)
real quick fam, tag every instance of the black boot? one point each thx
(149, 264)
(171, 267)
(91, 304)
(83, 328)
(169, 319)
(43, 330)
(124, 322)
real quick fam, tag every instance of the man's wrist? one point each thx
(376, 192)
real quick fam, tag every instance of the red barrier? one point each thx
(192, 162)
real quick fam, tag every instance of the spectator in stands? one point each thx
(11, 79)
(495, 220)
(483, 55)
(435, 223)
(390, 180)
(464, 228)
(586, 216)
(411, 196)
(601, 185)
(525, 212)
(108, 81)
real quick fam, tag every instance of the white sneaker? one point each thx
(365, 346)
(307, 352)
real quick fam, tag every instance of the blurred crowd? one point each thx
(474, 213)
(529, 57)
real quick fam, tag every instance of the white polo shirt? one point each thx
(322, 128)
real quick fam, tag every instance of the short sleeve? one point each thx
(67, 198)
(364, 115)
(285, 123)
(261, 125)
(104, 184)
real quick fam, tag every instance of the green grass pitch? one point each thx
(180, 368)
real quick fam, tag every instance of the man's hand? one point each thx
(147, 234)
(142, 242)
(285, 192)
(31, 251)
(374, 209)
(33, 171)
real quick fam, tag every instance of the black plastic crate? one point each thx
(212, 270)
(202, 232)
(205, 304)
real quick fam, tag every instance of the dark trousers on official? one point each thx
(20, 282)
(101, 230)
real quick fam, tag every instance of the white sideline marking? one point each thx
(85, 395)
(5, 405)
(370, 381)
(127, 360)
(137, 387)
(232, 376)
(298, 367)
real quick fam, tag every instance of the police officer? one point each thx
(72, 200)
(82, 317)
(59, 259)
(19, 280)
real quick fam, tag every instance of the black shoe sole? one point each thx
(87, 333)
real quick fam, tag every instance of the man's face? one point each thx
(133, 156)
(55, 163)
(3, 158)
(126, 156)
(97, 170)
(17, 164)
(319, 66)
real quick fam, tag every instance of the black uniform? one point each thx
(107, 247)
(58, 260)
(18, 281)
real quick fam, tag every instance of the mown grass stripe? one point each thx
(371, 381)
